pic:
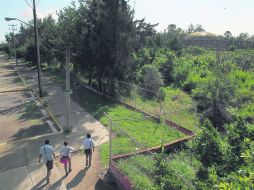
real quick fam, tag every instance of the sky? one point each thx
(216, 16)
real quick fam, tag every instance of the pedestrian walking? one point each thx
(65, 159)
(47, 153)
(88, 149)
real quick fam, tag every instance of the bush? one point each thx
(4, 48)
(161, 95)
(194, 50)
(211, 149)
(151, 80)
(30, 53)
(20, 52)
(176, 172)
(232, 48)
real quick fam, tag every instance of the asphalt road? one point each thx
(20, 112)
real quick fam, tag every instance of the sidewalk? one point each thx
(81, 121)
(24, 172)
(19, 167)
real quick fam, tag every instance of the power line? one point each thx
(29, 4)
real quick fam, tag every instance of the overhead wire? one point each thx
(29, 4)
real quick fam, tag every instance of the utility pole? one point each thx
(14, 41)
(37, 48)
(68, 91)
(9, 48)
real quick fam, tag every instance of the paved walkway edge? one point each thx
(42, 101)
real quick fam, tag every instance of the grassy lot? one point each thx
(175, 99)
(144, 130)
(147, 132)
(142, 170)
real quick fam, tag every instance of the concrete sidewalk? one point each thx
(19, 167)
(81, 121)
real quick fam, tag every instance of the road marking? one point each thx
(51, 125)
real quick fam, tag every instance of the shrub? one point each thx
(175, 173)
(194, 50)
(21, 51)
(151, 80)
(210, 148)
(232, 48)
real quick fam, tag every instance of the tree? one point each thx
(215, 94)
(197, 28)
(210, 148)
(151, 80)
(166, 68)
(176, 171)
(227, 34)
(116, 36)
(237, 134)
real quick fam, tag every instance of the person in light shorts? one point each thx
(47, 153)
(88, 149)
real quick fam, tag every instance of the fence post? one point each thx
(110, 137)
(67, 90)
(110, 143)
(135, 96)
(102, 90)
(163, 118)
(195, 121)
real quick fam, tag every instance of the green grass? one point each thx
(140, 170)
(146, 131)
(175, 100)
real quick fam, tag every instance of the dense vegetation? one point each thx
(108, 45)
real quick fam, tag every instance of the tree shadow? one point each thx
(77, 179)
(95, 104)
(12, 157)
(31, 131)
(26, 111)
(29, 113)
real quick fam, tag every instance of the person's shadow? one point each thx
(40, 184)
(54, 186)
(77, 179)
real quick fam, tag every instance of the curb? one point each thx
(60, 128)
(15, 90)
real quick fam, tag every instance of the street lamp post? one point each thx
(14, 41)
(9, 19)
(37, 46)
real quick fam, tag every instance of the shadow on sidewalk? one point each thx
(57, 185)
(40, 184)
(77, 179)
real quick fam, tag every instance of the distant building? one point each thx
(205, 40)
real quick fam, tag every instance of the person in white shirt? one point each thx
(88, 147)
(47, 153)
(65, 152)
